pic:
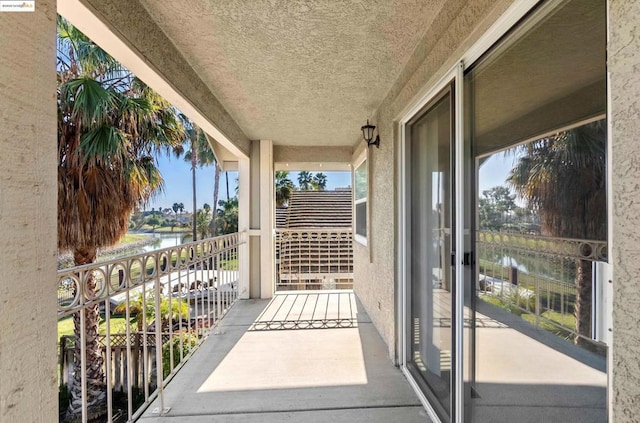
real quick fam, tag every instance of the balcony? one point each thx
(304, 354)
(531, 357)
(314, 354)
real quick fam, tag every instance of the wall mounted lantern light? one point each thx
(367, 132)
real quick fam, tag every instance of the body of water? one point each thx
(166, 240)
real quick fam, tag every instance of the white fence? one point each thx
(314, 259)
(551, 282)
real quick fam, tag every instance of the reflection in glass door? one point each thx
(430, 242)
(536, 143)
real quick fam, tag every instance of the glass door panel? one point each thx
(536, 150)
(431, 239)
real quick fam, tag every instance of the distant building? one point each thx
(314, 241)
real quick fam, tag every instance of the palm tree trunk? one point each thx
(137, 347)
(582, 307)
(226, 176)
(193, 184)
(96, 388)
(216, 188)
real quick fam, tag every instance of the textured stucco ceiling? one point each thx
(302, 72)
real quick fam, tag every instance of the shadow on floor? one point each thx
(311, 375)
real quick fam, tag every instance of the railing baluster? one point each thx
(218, 286)
(227, 281)
(158, 333)
(83, 342)
(145, 370)
(128, 346)
(107, 318)
(170, 304)
(180, 337)
(208, 292)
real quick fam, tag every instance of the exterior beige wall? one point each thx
(457, 27)
(624, 68)
(28, 204)
(295, 154)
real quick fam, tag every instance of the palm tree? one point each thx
(227, 216)
(110, 127)
(206, 158)
(319, 182)
(216, 191)
(305, 180)
(284, 187)
(203, 221)
(191, 155)
(199, 154)
(563, 177)
(226, 178)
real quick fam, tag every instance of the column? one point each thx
(624, 113)
(28, 215)
(267, 256)
(244, 207)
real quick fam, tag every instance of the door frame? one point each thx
(454, 76)
(454, 79)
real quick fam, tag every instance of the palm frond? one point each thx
(104, 143)
(564, 178)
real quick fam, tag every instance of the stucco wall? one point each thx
(624, 67)
(28, 204)
(458, 25)
(295, 154)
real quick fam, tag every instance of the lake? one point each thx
(166, 240)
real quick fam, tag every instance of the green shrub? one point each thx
(189, 340)
(519, 303)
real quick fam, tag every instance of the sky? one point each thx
(494, 171)
(177, 176)
(177, 184)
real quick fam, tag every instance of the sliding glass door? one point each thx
(505, 225)
(430, 234)
(535, 104)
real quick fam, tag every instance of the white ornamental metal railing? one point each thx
(314, 258)
(547, 281)
(137, 320)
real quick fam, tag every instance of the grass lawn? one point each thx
(565, 320)
(118, 325)
(130, 238)
(547, 286)
(231, 264)
(494, 301)
(165, 229)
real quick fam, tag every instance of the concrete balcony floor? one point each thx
(252, 370)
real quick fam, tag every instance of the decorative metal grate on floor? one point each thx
(308, 310)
